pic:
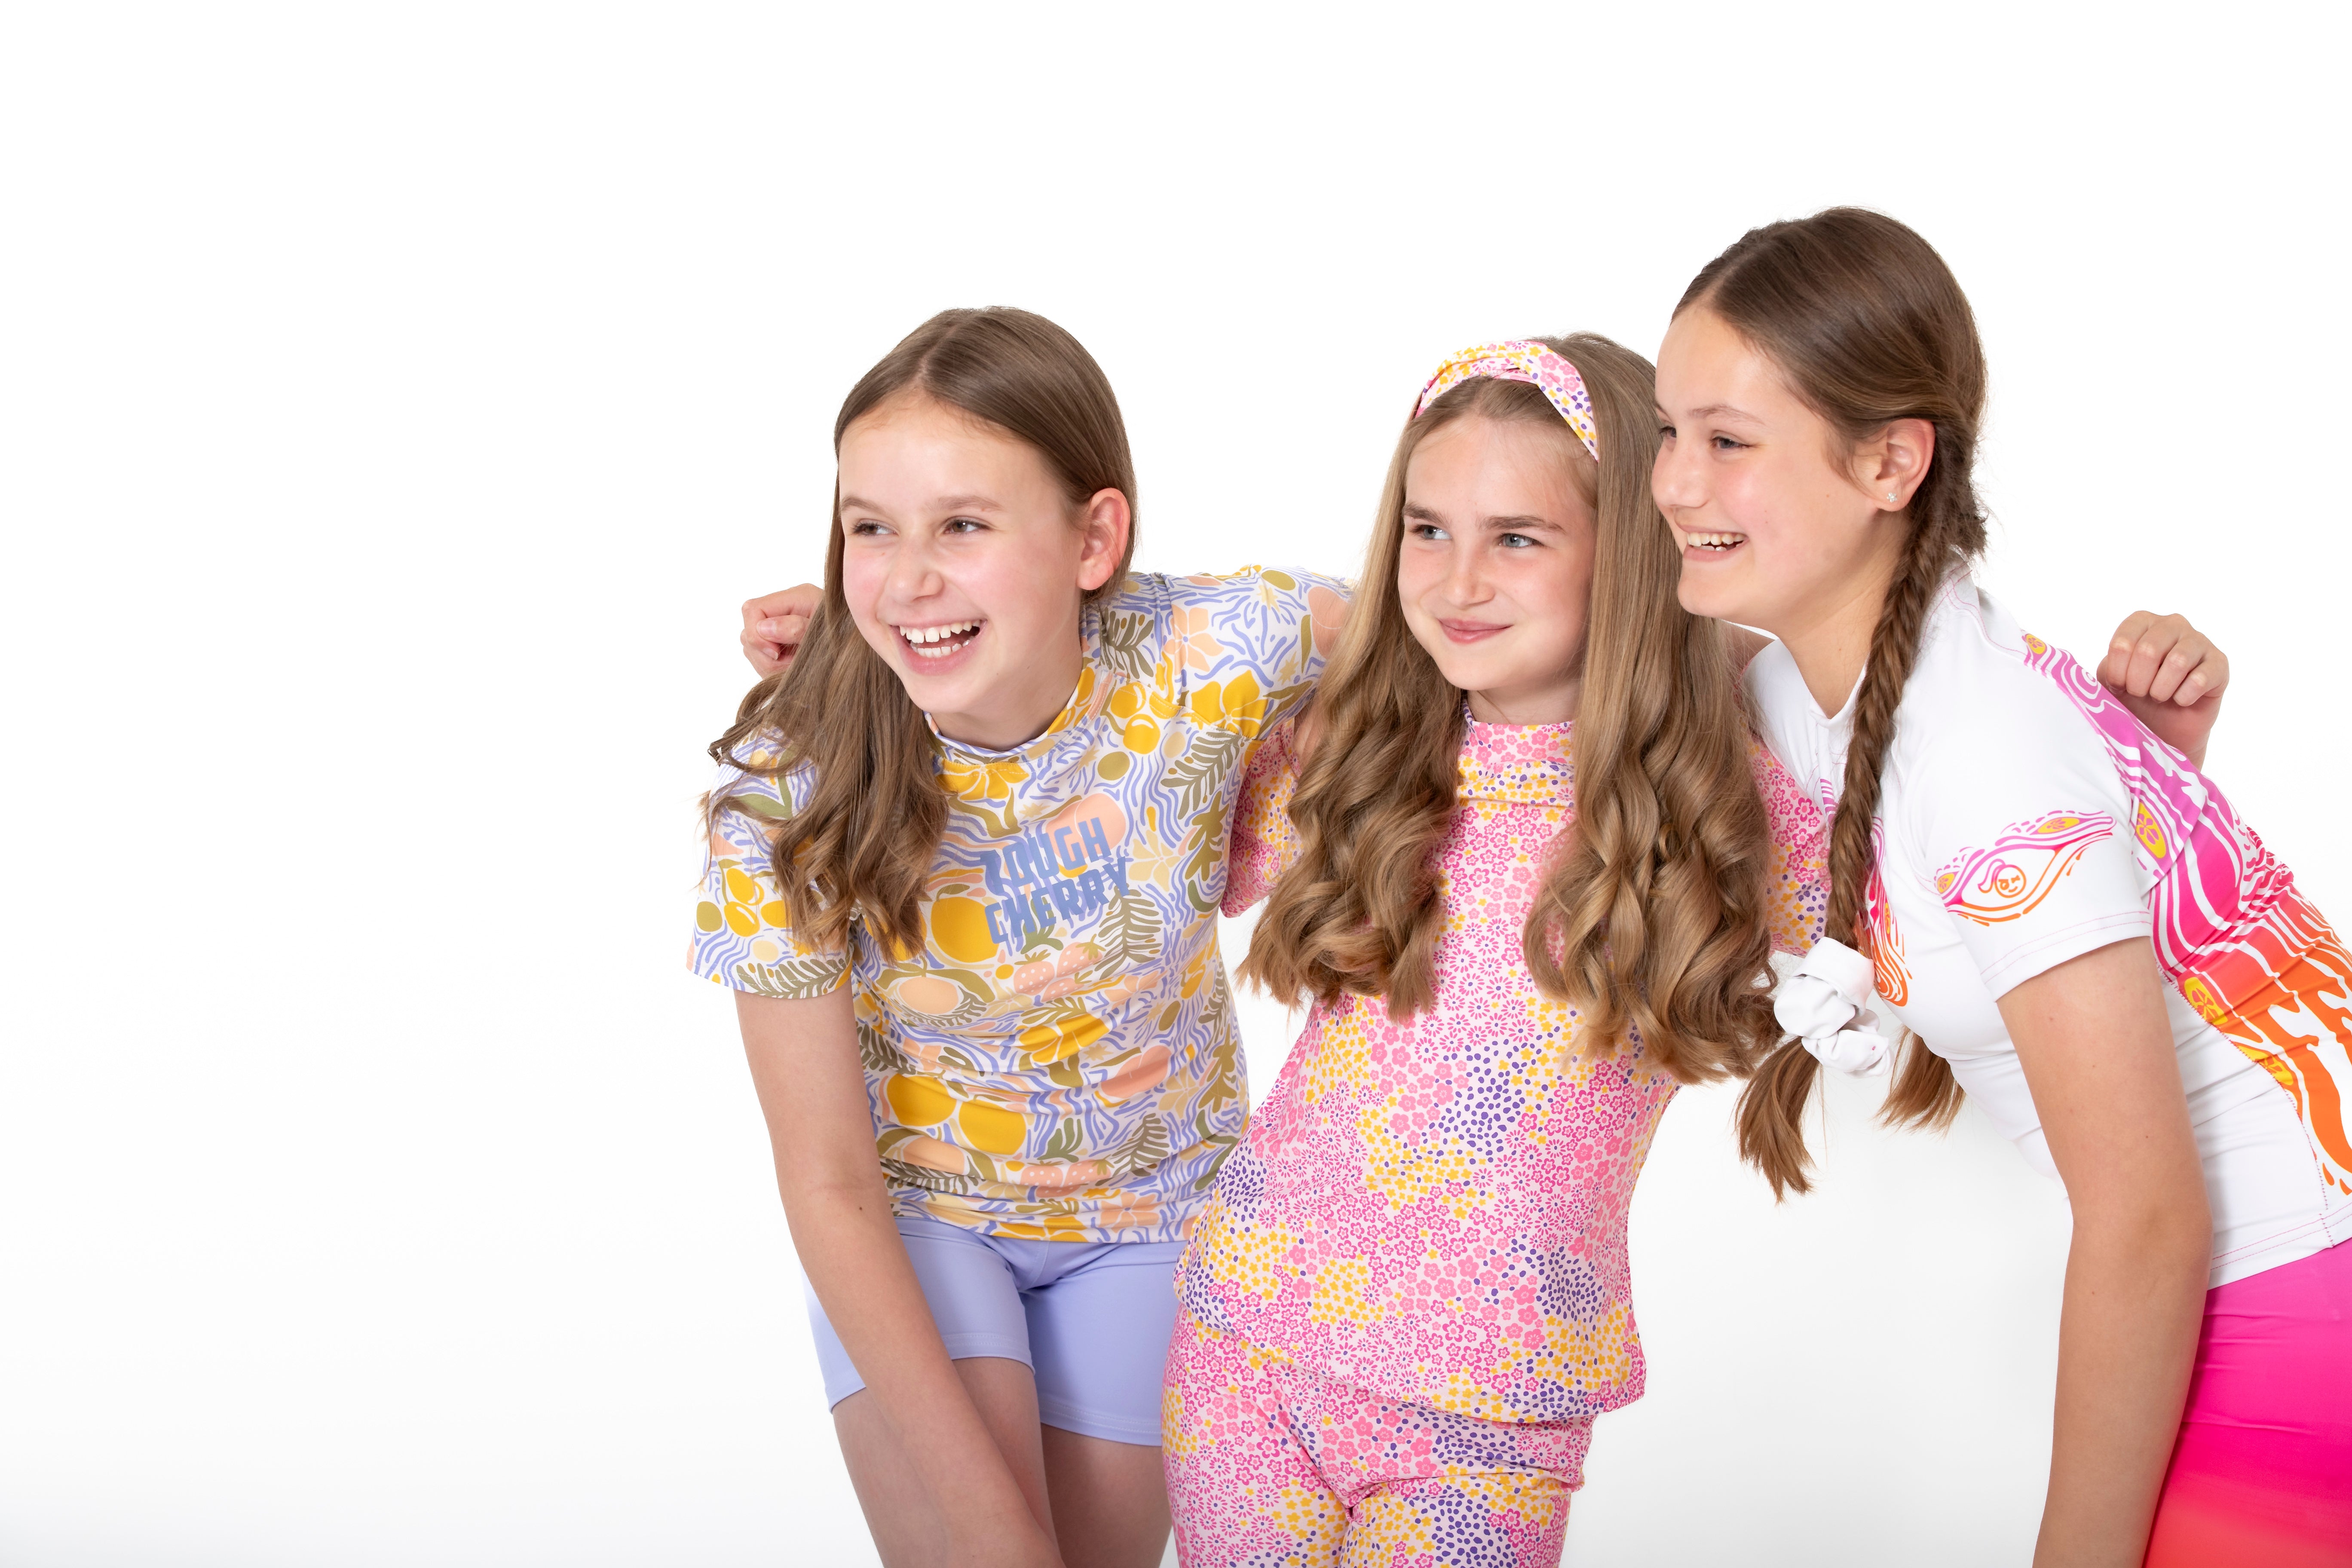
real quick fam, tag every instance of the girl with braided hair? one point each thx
(2057, 906)
(1405, 1295)
(1528, 862)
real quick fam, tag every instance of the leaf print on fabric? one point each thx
(878, 1054)
(1065, 1007)
(1063, 1141)
(792, 980)
(1144, 1149)
(1131, 926)
(907, 1173)
(1203, 873)
(1221, 1086)
(1200, 774)
(1126, 645)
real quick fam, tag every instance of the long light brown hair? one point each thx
(1869, 326)
(1651, 913)
(863, 841)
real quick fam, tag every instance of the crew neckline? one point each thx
(1077, 707)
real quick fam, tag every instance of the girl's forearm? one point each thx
(851, 1249)
(2126, 1339)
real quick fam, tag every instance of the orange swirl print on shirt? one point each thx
(2248, 951)
(1883, 938)
(2028, 860)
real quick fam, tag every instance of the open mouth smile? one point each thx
(933, 644)
(1715, 544)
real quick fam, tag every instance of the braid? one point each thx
(1893, 646)
(1772, 1107)
(1870, 327)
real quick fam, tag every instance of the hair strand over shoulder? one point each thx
(863, 842)
(1870, 326)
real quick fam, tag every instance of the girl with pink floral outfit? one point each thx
(1405, 1293)
(1408, 1297)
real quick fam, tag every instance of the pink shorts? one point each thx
(2262, 1472)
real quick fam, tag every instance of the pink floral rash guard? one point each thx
(1435, 1211)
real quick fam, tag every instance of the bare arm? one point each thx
(804, 1057)
(2097, 1051)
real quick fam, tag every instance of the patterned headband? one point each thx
(1521, 359)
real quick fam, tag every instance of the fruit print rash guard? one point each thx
(1058, 1060)
(2027, 818)
(1436, 1210)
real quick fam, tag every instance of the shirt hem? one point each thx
(905, 1204)
(1317, 1361)
(2045, 953)
(2331, 1225)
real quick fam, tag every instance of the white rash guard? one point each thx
(2025, 818)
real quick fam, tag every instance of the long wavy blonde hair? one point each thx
(1649, 917)
(864, 839)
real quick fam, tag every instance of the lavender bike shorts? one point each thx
(1090, 1321)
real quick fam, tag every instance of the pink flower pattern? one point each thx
(1434, 1211)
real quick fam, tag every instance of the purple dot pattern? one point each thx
(1429, 1217)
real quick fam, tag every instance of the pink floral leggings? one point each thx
(1273, 1466)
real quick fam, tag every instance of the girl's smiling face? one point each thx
(965, 566)
(1780, 525)
(1495, 572)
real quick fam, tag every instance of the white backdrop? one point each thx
(395, 402)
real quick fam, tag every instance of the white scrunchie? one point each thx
(1823, 1000)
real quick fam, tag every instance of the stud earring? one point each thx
(1890, 498)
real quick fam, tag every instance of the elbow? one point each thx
(2164, 1236)
(847, 1181)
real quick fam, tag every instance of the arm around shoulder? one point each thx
(1263, 843)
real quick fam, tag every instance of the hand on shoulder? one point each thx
(2171, 677)
(774, 623)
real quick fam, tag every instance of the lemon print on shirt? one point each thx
(960, 930)
(992, 1129)
(1054, 1056)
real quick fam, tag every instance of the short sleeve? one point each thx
(1797, 895)
(743, 934)
(2033, 856)
(1264, 843)
(1247, 648)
